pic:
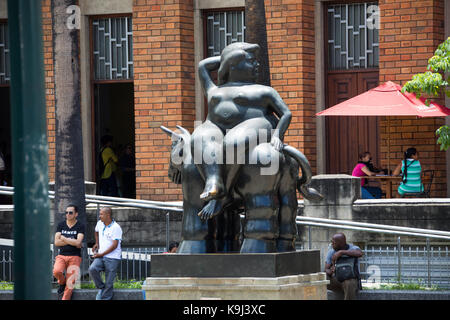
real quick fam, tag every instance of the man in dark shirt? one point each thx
(348, 287)
(69, 237)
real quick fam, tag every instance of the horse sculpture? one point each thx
(269, 202)
(246, 122)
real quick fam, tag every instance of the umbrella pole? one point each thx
(389, 144)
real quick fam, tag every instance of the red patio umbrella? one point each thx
(386, 100)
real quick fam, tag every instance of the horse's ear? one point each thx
(183, 130)
(171, 133)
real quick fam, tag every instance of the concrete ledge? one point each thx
(134, 294)
(296, 287)
(86, 294)
(396, 295)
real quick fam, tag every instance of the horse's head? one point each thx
(180, 153)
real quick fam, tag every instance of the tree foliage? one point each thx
(433, 82)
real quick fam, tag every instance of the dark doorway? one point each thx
(114, 115)
(5, 141)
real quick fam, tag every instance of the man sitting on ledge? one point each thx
(342, 267)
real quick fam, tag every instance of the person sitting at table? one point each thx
(362, 170)
(411, 171)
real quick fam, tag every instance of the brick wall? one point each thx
(410, 32)
(164, 79)
(290, 38)
(163, 46)
(49, 84)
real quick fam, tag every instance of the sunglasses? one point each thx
(70, 212)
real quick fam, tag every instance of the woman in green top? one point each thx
(411, 173)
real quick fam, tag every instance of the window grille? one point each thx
(223, 28)
(113, 48)
(4, 54)
(352, 36)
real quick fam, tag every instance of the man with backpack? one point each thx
(342, 267)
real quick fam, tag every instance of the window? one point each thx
(113, 48)
(223, 28)
(352, 38)
(4, 54)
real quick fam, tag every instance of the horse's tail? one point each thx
(303, 181)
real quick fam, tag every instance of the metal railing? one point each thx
(427, 265)
(135, 264)
(121, 202)
(420, 264)
(432, 259)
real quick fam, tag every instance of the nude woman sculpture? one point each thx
(238, 109)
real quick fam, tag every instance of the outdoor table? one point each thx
(388, 179)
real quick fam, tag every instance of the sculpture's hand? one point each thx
(276, 143)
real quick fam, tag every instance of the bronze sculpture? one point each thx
(245, 125)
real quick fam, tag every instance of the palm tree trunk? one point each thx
(69, 169)
(255, 32)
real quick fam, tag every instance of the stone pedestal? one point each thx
(265, 276)
(299, 287)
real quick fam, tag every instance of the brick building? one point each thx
(138, 71)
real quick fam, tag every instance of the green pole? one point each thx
(32, 256)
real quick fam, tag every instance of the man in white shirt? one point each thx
(107, 253)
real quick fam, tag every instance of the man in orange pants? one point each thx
(69, 237)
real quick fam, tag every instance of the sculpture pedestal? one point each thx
(265, 276)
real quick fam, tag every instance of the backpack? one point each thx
(345, 268)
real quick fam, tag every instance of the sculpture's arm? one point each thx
(282, 111)
(205, 67)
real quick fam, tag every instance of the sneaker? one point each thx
(60, 291)
(61, 288)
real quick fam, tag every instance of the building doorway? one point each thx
(113, 96)
(351, 69)
(114, 115)
(5, 134)
(347, 137)
(5, 112)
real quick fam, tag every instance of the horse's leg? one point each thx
(288, 205)
(260, 195)
(197, 236)
(228, 227)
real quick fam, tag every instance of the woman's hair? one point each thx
(408, 154)
(173, 245)
(231, 55)
(362, 155)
